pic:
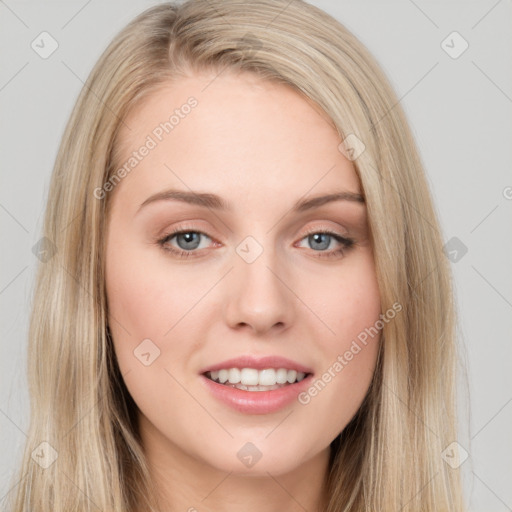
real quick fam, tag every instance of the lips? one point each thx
(256, 399)
(256, 402)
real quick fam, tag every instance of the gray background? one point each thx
(460, 113)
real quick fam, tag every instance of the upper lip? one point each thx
(259, 363)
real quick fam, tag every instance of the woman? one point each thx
(248, 306)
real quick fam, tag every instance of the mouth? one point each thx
(252, 379)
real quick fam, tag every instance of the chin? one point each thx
(257, 458)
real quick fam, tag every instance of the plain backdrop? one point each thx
(458, 101)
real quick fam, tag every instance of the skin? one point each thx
(261, 146)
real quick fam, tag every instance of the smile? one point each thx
(251, 379)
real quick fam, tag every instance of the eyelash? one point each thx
(347, 243)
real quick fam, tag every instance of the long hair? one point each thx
(82, 424)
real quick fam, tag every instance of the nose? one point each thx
(258, 296)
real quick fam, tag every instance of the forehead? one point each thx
(241, 133)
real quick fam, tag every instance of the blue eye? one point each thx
(188, 241)
(322, 240)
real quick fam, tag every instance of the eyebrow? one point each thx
(215, 202)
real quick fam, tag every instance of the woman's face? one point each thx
(250, 277)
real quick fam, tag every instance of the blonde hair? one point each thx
(389, 456)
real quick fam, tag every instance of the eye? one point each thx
(320, 241)
(187, 242)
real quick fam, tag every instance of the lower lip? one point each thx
(257, 402)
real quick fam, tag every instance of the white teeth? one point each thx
(292, 375)
(249, 377)
(253, 380)
(267, 377)
(234, 375)
(281, 376)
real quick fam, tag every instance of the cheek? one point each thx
(360, 310)
(136, 303)
(139, 291)
(144, 305)
(351, 308)
(349, 303)
(149, 300)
